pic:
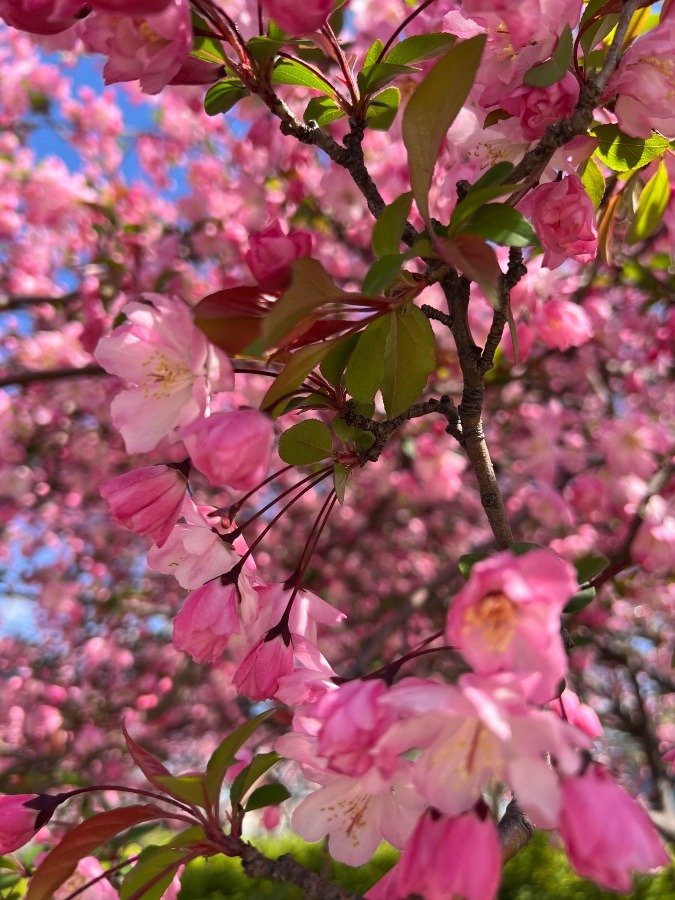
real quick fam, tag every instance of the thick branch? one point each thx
(20, 378)
(515, 830)
(286, 869)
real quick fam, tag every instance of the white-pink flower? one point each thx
(507, 618)
(169, 365)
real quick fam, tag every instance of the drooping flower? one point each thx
(266, 662)
(41, 16)
(271, 255)
(17, 821)
(563, 216)
(147, 501)
(299, 18)
(207, 621)
(170, 366)
(607, 834)
(507, 617)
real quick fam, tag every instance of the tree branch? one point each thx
(515, 830)
(286, 869)
(20, 378)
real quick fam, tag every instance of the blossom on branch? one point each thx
(147, 501)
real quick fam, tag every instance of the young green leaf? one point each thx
(496, 174)
(432, 109)
(554, 69)
(322, 110)
(267, 795)
(305, 443)
(589, 566)
(248, 776)
(593, 181)
(580, 600)
(390, 224)
(383, 273)
(476, 260)
(365, 369)
(288, 71)
(418, 48)
(382, 109)
(410, 357)
(476, 197)
(301, 363)
(374, 51)
(501, 224)
(223, 95)
(152, 862)
(372, 78)
(622, 153)
(651, 206)
(188, 788)
(224, 754)
(466, 562)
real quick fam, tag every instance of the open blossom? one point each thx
(17, 821)
(507, 617)
(231, 448)
(645, 83)
(446, 857)
(562, 214)
(299, 18)
(271, 255)
(207, 620)
(561, 324)
(607, 834)
(169, 365)
(147, 501)
(149, 46)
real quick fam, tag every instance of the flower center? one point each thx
(165, 376)
(495, 617)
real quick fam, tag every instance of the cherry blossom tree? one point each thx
(336, 461)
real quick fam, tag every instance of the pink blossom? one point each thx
(266, 662)
(572, 710)
(351, 722)
(17, 821)
(645, 83)
(299, 18)
(207, 621)
(147, 501)
(168, 364)
(446, 857)
(88, 869)
(149, 46)
(607, 834)
(563, 216)
(561, 324)
(507, 617)
(231, 448)
(536, 108)
(130, 7)
(271, 255)
(41, 16)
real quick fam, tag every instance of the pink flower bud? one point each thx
(41, 16)
(17, 821)
(299, 18)
(607, 834)
(536, 107)
(563, 217)
(207, 620)
(147, 501)
(569, 707)
(266, 662)
(231, 448)
(272, 253)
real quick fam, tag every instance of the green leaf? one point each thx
(495, 175)
(188, 788)
(409, 358)
(209, 50)
(390, 224)
(334, 364)
(466, 562)
(322, 110)
(365, 369)
(61, 861)
(223, 95)
(267, 795)
(224, 755)
(152, 862)
(382, 109)
(264, 48)
(622, 153)
(310, 288)
(589, 566)
(593, 181)
(248, 776)
(476, 260)
(305, 443)
(520, 548)
(432, 109)
(340, 478)
(288, 71)
(383, 273)
(371, 56)
(554, 69)
(651, 206)
(475, 198)
(301, 363)
(501, 224)
(372, 78)
(599, 29)
(418, 48)
(580, 600)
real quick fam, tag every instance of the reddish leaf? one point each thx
(232, 318)
(60, 863)
(476, 260)
(149, 765)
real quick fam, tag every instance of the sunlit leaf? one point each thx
(622, 153)
(651, 206)
(224, 755)
(305, 443)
